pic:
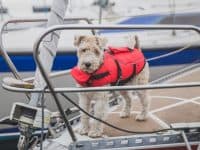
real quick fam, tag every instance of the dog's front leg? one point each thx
(84, 103)
(99, 112)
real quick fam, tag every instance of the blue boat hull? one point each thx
(9, 137)
(25, 61)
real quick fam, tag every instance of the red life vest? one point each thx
(120, 65)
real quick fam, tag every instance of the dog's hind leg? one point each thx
(143, 79)
(101, 100)
(145, 101)
(127, 96)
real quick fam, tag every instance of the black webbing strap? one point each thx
(122, 82)
(99, 76)
(119, 74)
(96, 77)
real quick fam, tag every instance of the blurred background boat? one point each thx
(18, 38)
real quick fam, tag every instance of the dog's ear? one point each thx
(101, 41)
(78, 39)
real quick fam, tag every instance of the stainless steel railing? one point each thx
(113, 27)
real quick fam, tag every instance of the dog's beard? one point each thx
(90, 69)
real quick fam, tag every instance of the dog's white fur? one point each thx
(90, 57)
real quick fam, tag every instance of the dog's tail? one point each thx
(137, 43)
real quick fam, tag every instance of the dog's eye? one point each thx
(83, 50)
(96, 52)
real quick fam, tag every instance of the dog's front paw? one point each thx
(125, 114)
(141, 117)
(95, 133)
(83, 130)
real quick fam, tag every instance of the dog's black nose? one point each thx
(87, 64)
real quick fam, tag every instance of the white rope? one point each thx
(170, 53)
(164, 55)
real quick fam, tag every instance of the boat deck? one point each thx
(167, 106)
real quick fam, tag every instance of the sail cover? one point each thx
(48, 47)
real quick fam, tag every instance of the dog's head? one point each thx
(90, 52)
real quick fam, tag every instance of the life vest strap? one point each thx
(122, 82)
(119, 74)
(96, 77)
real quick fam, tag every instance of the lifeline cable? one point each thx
(113, 126)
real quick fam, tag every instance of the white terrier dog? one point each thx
(90, 71)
